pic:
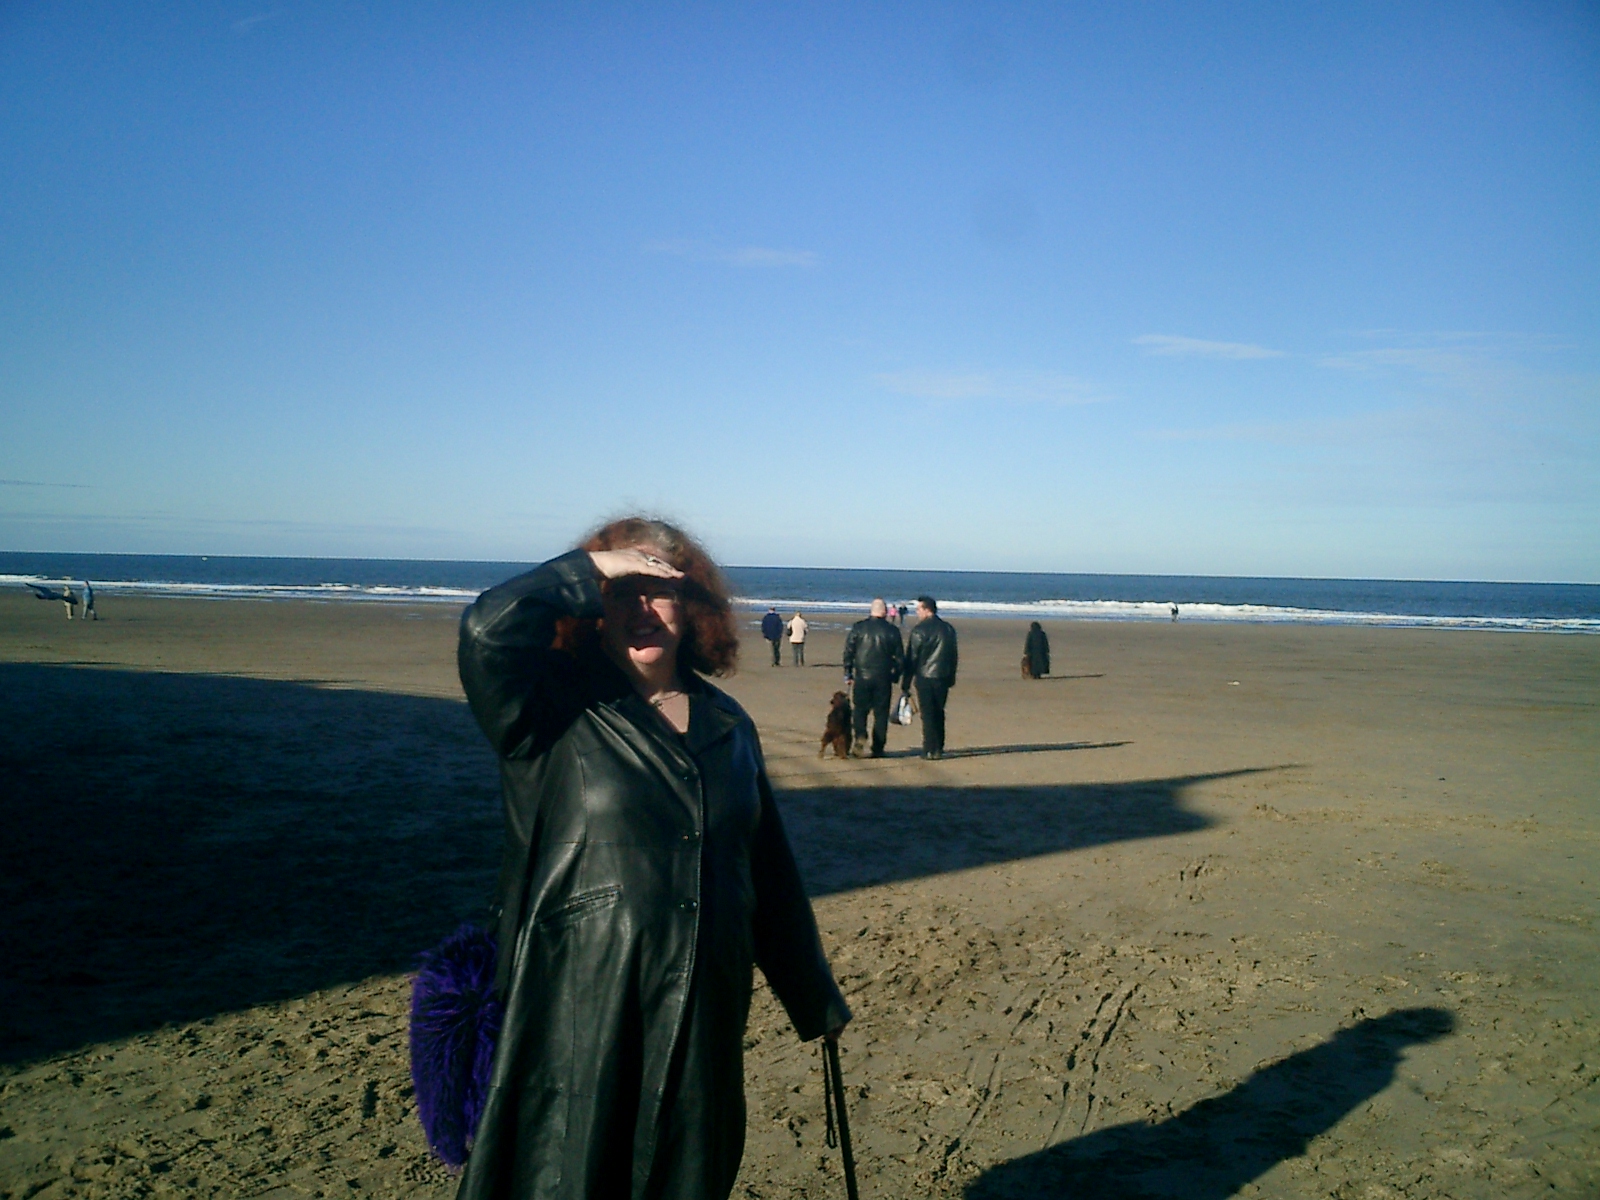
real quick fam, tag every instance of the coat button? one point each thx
(690, 905)
(692, 836)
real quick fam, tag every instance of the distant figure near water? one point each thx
(44, 592)
(89, 613)
(1036, 653)
(1174, 610)
(772, 630)
(797, 639)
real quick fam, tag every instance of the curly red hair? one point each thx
(710, 643)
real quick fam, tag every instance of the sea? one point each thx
(1444, 604)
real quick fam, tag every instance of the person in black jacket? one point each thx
(931, 665)
(772, 630)
(1037, 649)
(646, 872)
(872, 662)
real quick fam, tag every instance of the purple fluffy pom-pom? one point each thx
(455, 1019)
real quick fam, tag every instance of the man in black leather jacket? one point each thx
(931, 665)
(872, 660)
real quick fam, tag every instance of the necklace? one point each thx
(663, 697)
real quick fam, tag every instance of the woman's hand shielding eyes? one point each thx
(617, 564)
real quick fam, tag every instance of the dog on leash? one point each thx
(836, 732)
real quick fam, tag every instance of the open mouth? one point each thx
(644, 632)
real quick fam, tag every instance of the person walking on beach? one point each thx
(1174, 610)
(68, 599)
(89, 613)
(873, 659)
(797, 639)
(772, 630)
(646, 873)
(1037, 649)
(931, 665)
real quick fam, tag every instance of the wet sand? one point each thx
(1212, 911)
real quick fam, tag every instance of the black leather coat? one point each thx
(872, 652)
(1037, 648)
(644, 874)
(931, 652)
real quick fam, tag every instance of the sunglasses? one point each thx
(655, 593)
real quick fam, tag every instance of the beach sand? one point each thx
(1212, 911)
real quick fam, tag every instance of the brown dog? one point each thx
(1027, 667)
(836, 732)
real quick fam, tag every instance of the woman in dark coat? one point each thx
(1038, 651)
(646, 871)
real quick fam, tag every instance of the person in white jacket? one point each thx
(797, 639)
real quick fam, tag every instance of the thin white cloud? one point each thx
(245, 24)
(936, 385)
(1436, 361)
(1353, 429)
(737, 256)
(763, 256)
(1012, 387)
(1169, 345)
(37, 483)
(1444, 417)
(1422, 456)
(1498, 340)
(1480, 365)
(679, 246)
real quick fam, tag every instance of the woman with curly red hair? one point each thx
(646, 873)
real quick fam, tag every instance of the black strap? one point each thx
(833, 1084)
(832, 1136)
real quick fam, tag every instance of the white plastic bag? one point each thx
(902, 711)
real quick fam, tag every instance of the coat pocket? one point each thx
(580, 906)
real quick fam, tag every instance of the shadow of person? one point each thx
(872, 833)
(1211, 1150)
(1017, 748)
(1028, 748)
(175, 846)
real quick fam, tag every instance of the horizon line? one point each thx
(864, 570)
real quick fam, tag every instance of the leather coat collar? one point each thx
(712, 716)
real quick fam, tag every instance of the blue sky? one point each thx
(1200, 288)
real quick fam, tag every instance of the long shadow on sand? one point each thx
(1210, 1151)
(853, 837)
(176, 846)
(1013, 748)
(180, 845)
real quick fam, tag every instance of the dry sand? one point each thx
(1214, 911)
